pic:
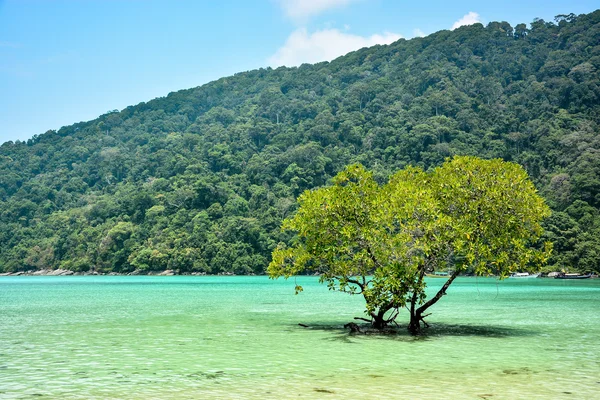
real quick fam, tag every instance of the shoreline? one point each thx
(65, 272)
(169, 272)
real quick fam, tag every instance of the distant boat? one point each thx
(438, 274)
(523, 275)
(562, 275)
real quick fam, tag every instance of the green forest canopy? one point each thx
(200, 180)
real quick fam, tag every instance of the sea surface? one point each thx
(176, 337)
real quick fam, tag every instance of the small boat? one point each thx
(438, 274)
(523, 275)
(562, 275)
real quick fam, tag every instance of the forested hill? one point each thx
(200, 180)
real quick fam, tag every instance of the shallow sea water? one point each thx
(238, 337)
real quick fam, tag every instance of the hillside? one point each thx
(199, 181)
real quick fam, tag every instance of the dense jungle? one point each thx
(200, 180)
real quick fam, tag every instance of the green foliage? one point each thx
(495, 213)
(183, 170)
(379, 241)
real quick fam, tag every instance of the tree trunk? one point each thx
(416, 314)
(414, 326)
(378, 322)
(378, 319)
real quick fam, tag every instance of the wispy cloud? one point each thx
(302, 9)
(323, 45)
(418, 33)
(9, 44)
(468, 19)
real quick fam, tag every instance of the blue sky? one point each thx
(65, 61)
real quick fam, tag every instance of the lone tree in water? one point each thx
(380, 241)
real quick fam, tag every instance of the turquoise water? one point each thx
(238, 337)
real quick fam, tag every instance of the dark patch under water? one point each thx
(437, 330)
(519, 371)
(323, 390)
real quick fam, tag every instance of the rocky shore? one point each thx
(65, 272)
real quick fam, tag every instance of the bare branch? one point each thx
(357, 283)
(439, 294)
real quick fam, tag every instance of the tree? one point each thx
(379, 241)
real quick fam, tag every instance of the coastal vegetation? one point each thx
(380, 241)
(199, 181)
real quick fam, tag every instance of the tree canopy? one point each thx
(199, 181)
(379, 241)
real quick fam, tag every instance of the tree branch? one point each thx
(372, 256)
(357, 283)
(393, 317)
(413, 300)
(439, 294)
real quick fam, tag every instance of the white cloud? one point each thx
(468, 19)
(324, 45)
(299, 9)
(418, 33)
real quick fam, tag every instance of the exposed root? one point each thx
(354, 328)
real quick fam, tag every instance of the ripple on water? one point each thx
(238, 338)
